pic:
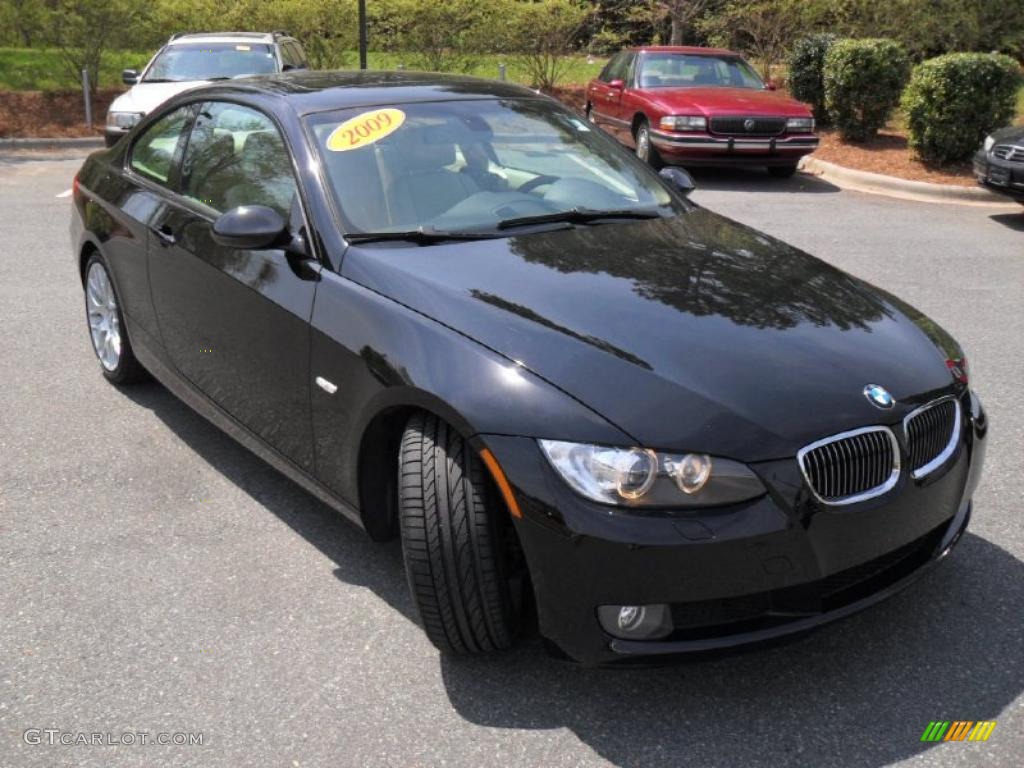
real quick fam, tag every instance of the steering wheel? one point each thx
(539, 181)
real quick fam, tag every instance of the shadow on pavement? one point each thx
(758, 180)
(1014, 221)
(856, 693)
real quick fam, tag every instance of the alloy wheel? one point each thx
(104, 324)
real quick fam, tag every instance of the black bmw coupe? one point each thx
(458, 314)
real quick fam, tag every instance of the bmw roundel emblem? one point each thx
(879, 396)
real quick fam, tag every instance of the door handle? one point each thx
(165, 234)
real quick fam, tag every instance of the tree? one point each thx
(85, 29)
(680, 13)
(764, 29)
(542, 34)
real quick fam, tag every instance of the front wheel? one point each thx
(458, 544)
(644, 148)
(782, 171)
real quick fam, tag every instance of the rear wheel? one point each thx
(644, 148)
(106, 326)
(782, 171)
(459, 548)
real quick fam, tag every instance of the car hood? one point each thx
(688, 333)
(145, 97)
(728, 101)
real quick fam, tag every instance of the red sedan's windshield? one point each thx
(683, 70)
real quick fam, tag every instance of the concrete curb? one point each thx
(922, 191)
(89, 142)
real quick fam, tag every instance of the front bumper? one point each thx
(1002, 176)
(708, 149)
(734, 575)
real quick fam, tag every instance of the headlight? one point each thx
(642, 477)
(800, 124)
(989, 143)
(124, 120)
(684, 123)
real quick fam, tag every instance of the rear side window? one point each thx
(153, 152)
(236, 156)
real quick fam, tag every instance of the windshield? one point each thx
(476, 165)
(681, 70)
(206, 61)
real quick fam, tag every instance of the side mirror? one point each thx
(129, 77)
(617, 84)
(250, 227)
(770, 85)
(678, 179)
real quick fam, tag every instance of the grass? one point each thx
(42, 69)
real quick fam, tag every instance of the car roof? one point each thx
(311, 91)
(224, 37)
(690, 49)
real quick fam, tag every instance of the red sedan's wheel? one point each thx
(644, 148)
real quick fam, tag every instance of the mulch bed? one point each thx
(57, 114)
(889, 154)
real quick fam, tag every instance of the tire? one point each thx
(782, 171)
(645, 150)
(109, 338)
(455, 542)
(587, 110)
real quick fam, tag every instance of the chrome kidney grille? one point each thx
(851, 466)
(932, 432)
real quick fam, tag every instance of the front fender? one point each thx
(382, 356)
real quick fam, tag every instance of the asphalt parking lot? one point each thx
(158, 578)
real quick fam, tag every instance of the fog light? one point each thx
(635, 622)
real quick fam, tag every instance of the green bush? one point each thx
(954, 101)
(805, 72)
(863, 80)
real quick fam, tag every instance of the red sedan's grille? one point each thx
(748, 126)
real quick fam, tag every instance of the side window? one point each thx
(607, 74)
(618, 67)
(630, 69)
(236, 156)
(288, 60)
(300, 56)
(153, 152)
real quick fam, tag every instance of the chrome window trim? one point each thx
(878, 490)
(954, 438)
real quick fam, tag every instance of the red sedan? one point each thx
(699, 106)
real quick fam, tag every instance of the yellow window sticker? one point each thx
(363, 130)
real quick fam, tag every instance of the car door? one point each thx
(236, 322)
(148, 176)
(602, 96)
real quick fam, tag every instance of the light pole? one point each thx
(362, 34)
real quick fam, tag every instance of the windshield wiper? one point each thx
(580, 216)
(425, 235)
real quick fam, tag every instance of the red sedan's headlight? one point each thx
(684, 123)
(800, 124)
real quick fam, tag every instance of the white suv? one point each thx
(189, 59)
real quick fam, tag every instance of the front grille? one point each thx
(758, 126)
(932, 433)
(1009, 152)
(852, 466)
